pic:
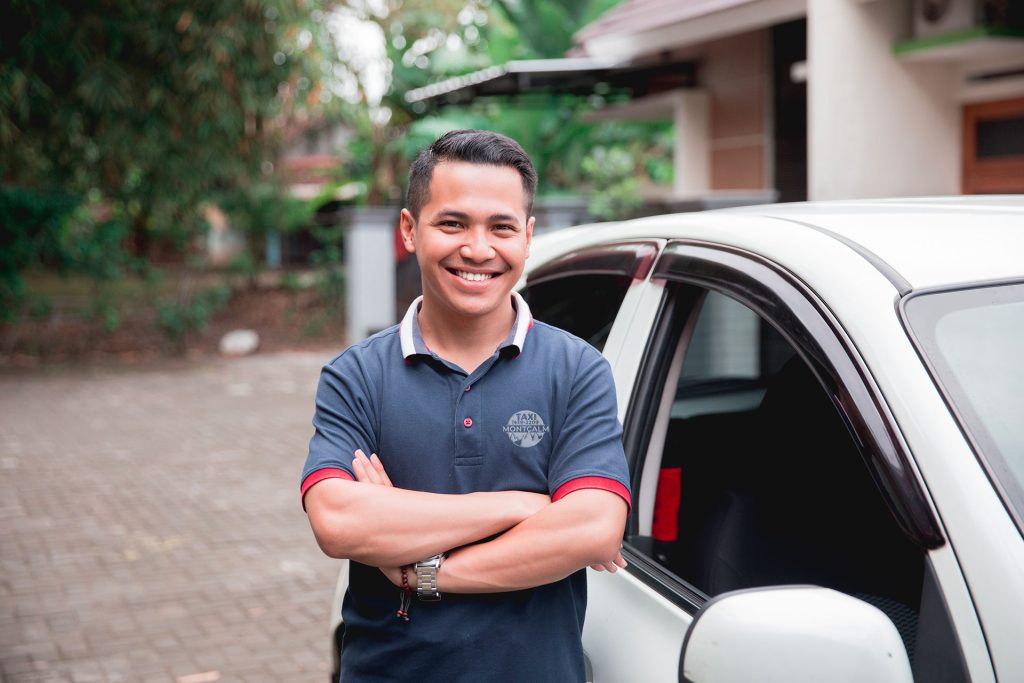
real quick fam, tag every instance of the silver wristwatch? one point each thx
(426, 577)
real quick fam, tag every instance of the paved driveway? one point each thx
(150, 527)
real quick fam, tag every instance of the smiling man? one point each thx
(496, 473)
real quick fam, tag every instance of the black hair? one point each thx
(474, 147)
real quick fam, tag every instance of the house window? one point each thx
(993, 147)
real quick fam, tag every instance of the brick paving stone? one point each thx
(150, 525)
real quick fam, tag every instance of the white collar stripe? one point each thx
(412, 339)
(407, 328)
(524, 319)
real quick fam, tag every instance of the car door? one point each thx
(760, 455)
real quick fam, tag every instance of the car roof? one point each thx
(916, 242)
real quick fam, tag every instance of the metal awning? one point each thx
(574, 75)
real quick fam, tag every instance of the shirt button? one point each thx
(468, 387)
(467, 423)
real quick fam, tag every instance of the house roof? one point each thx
(647, 27)
(580, 76)
(634, 16)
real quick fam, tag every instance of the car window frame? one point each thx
(629, 258)
(688, 268)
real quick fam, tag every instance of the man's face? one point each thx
(472, 238)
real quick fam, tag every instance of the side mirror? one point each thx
(792, 634)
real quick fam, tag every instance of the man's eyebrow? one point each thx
(451, 213)
(463, 216)
(507, 218)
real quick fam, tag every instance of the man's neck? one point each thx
(463, 340)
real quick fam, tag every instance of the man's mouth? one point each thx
(471, 277)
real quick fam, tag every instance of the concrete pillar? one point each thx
(370, 272)
(877, 127)
(692, 154)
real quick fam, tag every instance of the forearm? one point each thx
(584, 528)
(384, 526)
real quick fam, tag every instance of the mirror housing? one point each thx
(792, 634)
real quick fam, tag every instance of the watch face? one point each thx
(934, 10)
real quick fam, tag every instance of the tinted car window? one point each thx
(760, 481)
(585, 305)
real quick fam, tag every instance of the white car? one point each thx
(823, 412)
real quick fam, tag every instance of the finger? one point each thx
(369, 471)
(379, 466)
(597, 567)
(620, 561)
(359, 469)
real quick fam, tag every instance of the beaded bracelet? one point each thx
(405, 600)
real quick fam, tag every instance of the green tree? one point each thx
(144, 112)
(544, 28)
(154, 107)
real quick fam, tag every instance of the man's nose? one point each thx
(477, 246)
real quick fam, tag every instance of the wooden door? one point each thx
(993, 147)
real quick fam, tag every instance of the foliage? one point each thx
(622, 157)
(616, 188)
(544, 28)
(152, 109)
(30, 234)
(190, 312)
(291, 283)
(329, 259)
(52, 229)
(266, 206)
(120, 121)
(431, 41)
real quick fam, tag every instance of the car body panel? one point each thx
(981, 568)
(614, 655)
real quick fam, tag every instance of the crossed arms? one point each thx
(372, 522)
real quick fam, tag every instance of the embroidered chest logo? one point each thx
(526, 429)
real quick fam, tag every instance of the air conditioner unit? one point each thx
(945, 17)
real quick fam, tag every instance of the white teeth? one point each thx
(473, 277)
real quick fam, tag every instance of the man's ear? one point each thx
(529, 234)
(407, 224)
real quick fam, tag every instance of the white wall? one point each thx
(370, 272)
(877, 127)
(692, 152)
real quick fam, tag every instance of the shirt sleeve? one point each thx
(587, 452)
(344, 420)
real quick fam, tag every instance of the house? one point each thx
(816, 99)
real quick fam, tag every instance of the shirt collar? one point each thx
(412, 339)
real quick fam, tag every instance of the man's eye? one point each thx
(452, 225)
(505, 228)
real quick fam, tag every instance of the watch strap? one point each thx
(426, 578)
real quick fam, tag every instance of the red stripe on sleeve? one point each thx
(602, 483)
(318, 476)
(665, 526)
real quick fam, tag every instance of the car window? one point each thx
(972, 340)
(759, 480)
(584, 305)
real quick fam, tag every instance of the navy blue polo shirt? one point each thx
(539, 415)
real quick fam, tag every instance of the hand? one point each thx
(612, 566)
(370, 470)
(394, 575)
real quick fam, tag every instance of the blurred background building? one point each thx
(804, 99)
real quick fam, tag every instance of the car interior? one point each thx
(761, 483)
